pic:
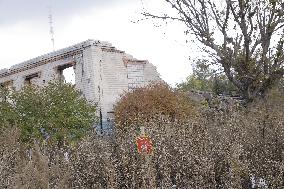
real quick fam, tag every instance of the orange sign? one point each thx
(144, 145)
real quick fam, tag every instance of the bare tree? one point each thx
(244, 37)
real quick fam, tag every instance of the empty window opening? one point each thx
(67, 73)
(29, 79)
(7, 84)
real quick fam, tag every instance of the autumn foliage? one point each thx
(155, 101)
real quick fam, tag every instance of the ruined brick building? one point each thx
(102, 73)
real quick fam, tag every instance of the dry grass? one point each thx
(217, 149)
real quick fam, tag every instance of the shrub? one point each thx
(216, 149)
(156, 101)
(57, 112)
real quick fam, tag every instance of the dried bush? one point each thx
(93, 164)
(231, 147)
(155, 100)
(9, 156)
(29, 166)
(216, 149)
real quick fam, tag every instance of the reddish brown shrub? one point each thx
(154, 101)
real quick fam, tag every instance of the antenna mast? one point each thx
(51, 29)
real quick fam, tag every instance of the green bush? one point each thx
(57, 112)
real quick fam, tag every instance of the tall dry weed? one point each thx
(217, 149)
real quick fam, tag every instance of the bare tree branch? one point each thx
(249, 57)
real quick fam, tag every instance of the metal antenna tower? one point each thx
(51, 29)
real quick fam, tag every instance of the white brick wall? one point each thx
(102, 73)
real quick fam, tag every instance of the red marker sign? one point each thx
(144, 145)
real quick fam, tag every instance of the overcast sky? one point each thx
(24, 31)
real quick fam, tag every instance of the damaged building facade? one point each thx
(102, 73)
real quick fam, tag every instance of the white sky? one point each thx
(24, 31)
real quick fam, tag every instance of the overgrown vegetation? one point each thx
(56, 113)
(207, 79)
(152, 101)
(195, 146)
(235, 147)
